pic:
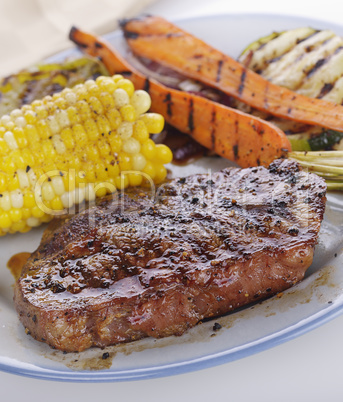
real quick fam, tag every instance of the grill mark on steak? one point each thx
(136, 266)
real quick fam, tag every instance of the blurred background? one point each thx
(33, 29)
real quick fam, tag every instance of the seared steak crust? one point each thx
(205, 245)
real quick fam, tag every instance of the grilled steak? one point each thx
(135, 266)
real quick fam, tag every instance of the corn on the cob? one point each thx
(76, 145)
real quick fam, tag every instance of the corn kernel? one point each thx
(23, 179)
(5, 220)
(26, 213)
(73, 115)
(20, 121)
(135, 179)
(121, 98)
(116, 143)
(149, 169)
(161, 172)
(131, 146)
(15, 215)
(16, 113)
(100, 189)
(67, 199)
(154, 122)
(111, 185)
(67, 138)
(103, 125)
(47, 191)
(37, 212)
(114, 118)
(138, 162)
(128, 113)
(80, 135)
(51, 108)
(113, 169)
(91, 129)
(83, 110)
(10, 140)
(17, 199)
(45, 217)
(48, 150)
(28, 157)
(141, 101)
(56, 204)
(117, 77)
(79, 195)
(93, 154)
(62, 118)
(163, 153)
(10, 125)
(69, 96)
(81, 92)
(106, 84)
(43, 129)
(29, 199)
(125, 130)
(30, 117)
(126, 85)
(7, 165)
(107, 100)
(18, 159)
(61, 104)
(148, 149)
(5, 201)
(96, 106)
(124, 162)
(89, 171)
(140, 131)
(4, 148)
(33, 221)
(3, 182)
(121, 181)
(100, 171)
(53, 125)
(20, 137)
(18, 226)
(104, 148)
(13, 182)
(31, 134)
(25, 108)
(41, 113)
(57, 184)
(58, 144)
(5, 119)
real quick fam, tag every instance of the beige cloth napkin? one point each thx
(31, 30)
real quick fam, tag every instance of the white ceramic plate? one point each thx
(309, 304)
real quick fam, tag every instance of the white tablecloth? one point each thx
(305, 369)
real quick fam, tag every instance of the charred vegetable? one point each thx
(45, 79)
(309, 62)
(163, 42)
(237, 136)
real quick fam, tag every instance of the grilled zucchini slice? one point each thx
(307, 61)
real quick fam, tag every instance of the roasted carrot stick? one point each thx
(247, 140)
(163, 42)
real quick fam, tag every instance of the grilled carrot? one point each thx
(247, 140)
(163, 42)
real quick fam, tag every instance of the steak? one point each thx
(136, 265)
